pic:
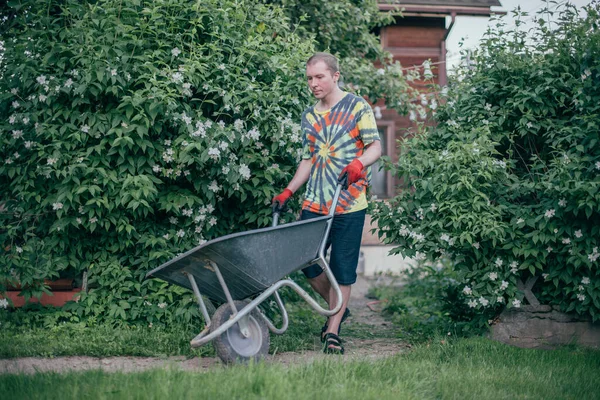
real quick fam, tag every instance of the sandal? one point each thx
(324, 328)
(331, 339)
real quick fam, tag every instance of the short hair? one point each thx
(328, 59)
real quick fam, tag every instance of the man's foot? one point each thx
(347, 313)
(333, 344)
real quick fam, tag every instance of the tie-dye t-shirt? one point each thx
(332, 139)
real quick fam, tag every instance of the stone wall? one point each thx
(545, 327)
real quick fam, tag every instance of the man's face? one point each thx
(320, 79)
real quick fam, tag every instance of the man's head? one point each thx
(322, 74)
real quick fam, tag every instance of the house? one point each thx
(419, 35)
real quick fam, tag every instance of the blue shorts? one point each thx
(344, 238)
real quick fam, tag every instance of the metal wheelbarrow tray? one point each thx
(236, 267)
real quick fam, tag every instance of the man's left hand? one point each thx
(354, 171)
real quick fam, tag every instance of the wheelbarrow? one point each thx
(241, 271)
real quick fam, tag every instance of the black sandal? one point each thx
(324, 328)
(331, 339)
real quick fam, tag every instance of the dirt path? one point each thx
(367, 336)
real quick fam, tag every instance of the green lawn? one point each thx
(71, 339)
(474, 368)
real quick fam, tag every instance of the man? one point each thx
(339, 136)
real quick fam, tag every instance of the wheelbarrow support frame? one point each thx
(241, 316)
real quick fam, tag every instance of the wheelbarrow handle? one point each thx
(343, 180)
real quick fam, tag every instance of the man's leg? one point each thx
(322, 286)
(335, 320)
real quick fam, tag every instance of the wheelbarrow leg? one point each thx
(284, 316)
(196, 291)
(243, 322)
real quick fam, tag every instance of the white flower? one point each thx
(493, 276)
(580, 297)
(500, 299)
(214, 153)
(12, 119)
(545, 276)
(25, 121)
(156, 168)
(594, 256)
(223, 145)
(162, 305)
(238, 124)
(580, 288)
(177, 77)
(244, 171)
(57, 206)
(472, 303)
(93, 220)
(186, 119)
(585, 281)
(578, 234)
(210, 208)
(212, 221)
(42, 98)
(222, 67)
(173, 220)
(187, 213)
(28, 144)
(549, 249)
(166, 236)
(566, 241)
(504, 285)
(555, 230)
(41, 80)
(180, 233)
(562, 202)
(79, 220)
(516, 303)
(254, 134)
(412, 115)
(520, 221)
(3, 303)
(17, 134)
(498, 262)
(214, 187)
(19, 249)
(433, 207)
(85, 129)
(175, 52)
(484, 302)
(225, 170)
(549, 213)
(476, 245)
(113, 72)
(69, 83)
(467, 290)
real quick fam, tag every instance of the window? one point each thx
(382, 185)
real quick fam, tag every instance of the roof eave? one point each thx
(423, 10)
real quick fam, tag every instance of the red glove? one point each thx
(283, 197)
(354, 170)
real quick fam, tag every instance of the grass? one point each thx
(70, 339)
(474, 368)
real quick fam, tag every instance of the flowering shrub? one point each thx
(508, 182)
(132, 131)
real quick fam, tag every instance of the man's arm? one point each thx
(371, 154)
(301, 176)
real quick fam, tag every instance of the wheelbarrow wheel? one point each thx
(232, 346)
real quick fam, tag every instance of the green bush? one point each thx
(507, 184)
(133, 131)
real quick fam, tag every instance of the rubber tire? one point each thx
(222, 344)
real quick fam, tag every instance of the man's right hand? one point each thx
(282, 197)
